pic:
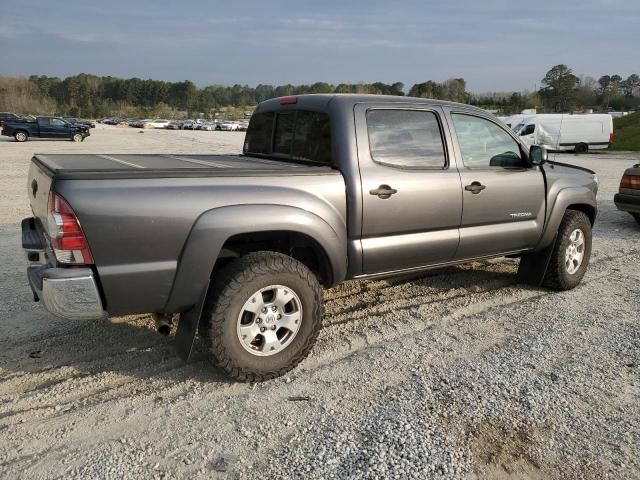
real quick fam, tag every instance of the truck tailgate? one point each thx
(39, 184)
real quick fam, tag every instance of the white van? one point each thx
(563, 131)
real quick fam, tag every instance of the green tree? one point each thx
(559, 85)
(630, 84)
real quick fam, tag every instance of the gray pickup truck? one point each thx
(328, 188)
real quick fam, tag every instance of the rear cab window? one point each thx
(290, 134)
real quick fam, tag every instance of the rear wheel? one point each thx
(571, 252)
(581, 148)
(262, 316)
(21, 136)
(636, 216)
(77, 137)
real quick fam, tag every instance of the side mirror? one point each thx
(537, 155)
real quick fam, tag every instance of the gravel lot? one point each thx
(458, 373)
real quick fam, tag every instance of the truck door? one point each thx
(411, 193)
(53, 128)
(503, 198)
(60, 128)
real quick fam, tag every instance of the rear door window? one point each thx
(405, 138)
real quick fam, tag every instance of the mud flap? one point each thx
(188, 327)
(533, 266)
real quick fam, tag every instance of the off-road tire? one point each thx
(581, 148)
(21, 136)
(77, 137)
(232, 287)
(557, 277)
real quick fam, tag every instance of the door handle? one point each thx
(475, 187)
(383, 191)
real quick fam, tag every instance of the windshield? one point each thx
(518, 127)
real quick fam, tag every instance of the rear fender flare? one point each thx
(214, 227)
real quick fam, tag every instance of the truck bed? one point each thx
(83, 166)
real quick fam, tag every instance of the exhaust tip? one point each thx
(164, 330)
(163, 323)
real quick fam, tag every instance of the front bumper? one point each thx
(69, 293)
(627, 203)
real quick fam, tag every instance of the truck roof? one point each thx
(323, 101)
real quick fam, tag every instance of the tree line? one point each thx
(92, 96)
(563, 91)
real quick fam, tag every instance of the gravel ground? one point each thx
(457, 373)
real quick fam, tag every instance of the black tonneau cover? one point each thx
(167, 166)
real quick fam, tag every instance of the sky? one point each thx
(495, 45)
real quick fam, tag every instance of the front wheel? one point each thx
(77, 137)
(571, 252)
(263, 315)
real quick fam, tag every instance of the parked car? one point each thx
(9, 117)
(188, 125)
(328, 188)
(228, 126)
(45, 127)
(139, 123)
(157, 123)
(79, 121)
(173, 126)
(628, 197)
(578, 133)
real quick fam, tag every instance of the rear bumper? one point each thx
(627, 203)
(69, 293)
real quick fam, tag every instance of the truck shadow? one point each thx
(126, 350)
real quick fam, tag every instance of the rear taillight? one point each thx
(630, 181)
(611, 138)
(67, 238)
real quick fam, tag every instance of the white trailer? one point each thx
(563, 131)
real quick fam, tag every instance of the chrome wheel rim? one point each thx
(575, 251)
(269, 320)
(21, 137)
